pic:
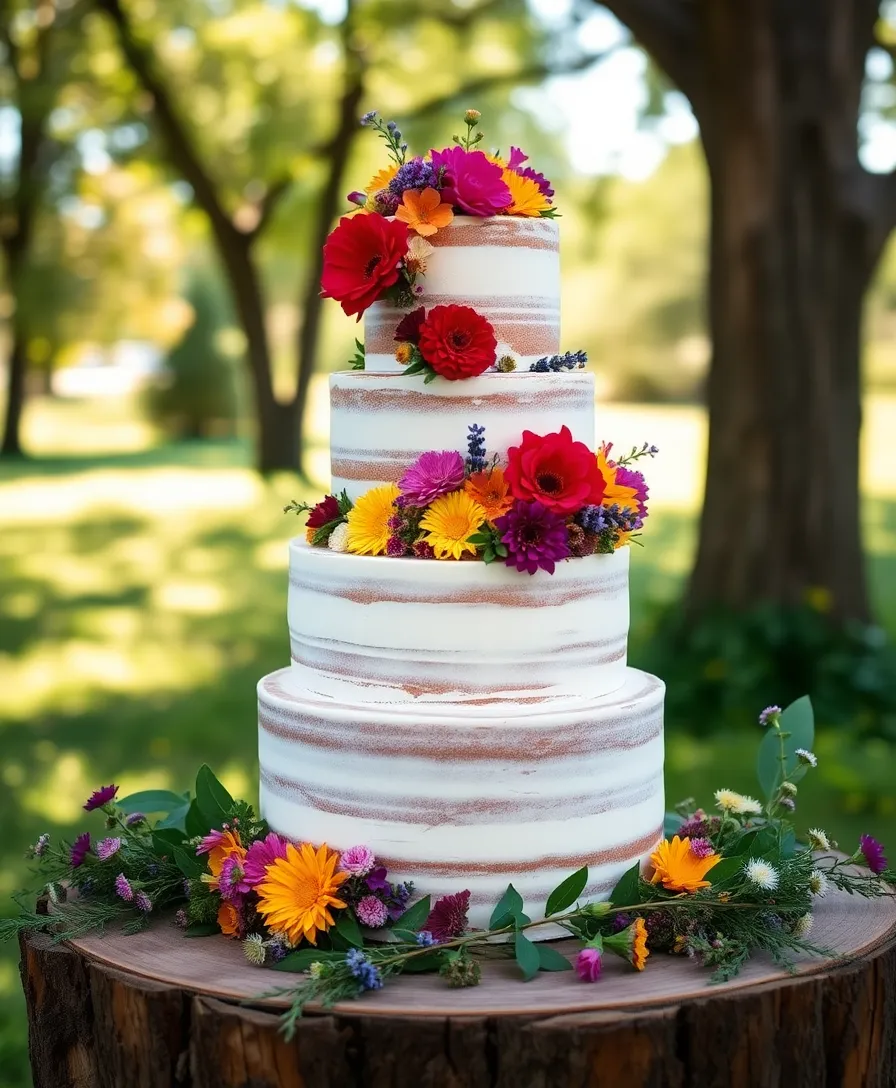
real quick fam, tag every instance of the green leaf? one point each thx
(567, 892)
(527, 957)
(175, 820)
(671, 823)
(725, 870)
(194, 822)
(549, 959)
(348, 928)
(628, 889)
(798, 720)
(414, 917)
(151, 801)
(414, 368)
(510, 903)
(201, 929)
(165, 840)
(419, 964)
(430, 377)
(345, 503)
(302, 959)
(213, 800)
(190, 865)
(322, 534)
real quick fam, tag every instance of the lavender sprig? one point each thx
(390, 133)
(570, 360)
(645, 451)
(476, 460)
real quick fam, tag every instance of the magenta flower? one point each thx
(470, 182)
(377, 882)
(260, 855)
(372, 912)
(211, 840)
(232, 882)
(105, 848)
(123, 888)
(873, 852)
(516, 158)
(588, 964)
(80, 849)
(536, 538)
(358, 861)
(143, 902)
(431, 475)
(630, 477)
(100, 797)
(540, 180)
(448, 917)
(702, 848)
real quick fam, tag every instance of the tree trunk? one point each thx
(791, 255)
(11, 445)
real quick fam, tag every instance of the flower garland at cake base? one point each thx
(720, 887)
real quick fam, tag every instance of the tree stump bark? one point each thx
(95, 1023)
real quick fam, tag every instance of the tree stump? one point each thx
(157, 1010)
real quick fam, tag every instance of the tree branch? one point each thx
(668, 30)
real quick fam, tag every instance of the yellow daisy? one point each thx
(526, 197)
(368, 520)
(449, 522)
(380, 180)
(299, 890)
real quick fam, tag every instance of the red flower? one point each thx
(457, 342)
(408, 329)
(361, 259)
(556, 471)
(448, 917)
(326, 510)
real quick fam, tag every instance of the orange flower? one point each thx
(526, 198)
(678, 868)
(299, 892)
(403, 353)
(228, 919)
(424, 212)
(639, 945)
(491, 491)
(625, 497)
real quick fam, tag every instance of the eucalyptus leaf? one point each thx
(567, 892)
(628, 888)
(510, 903)
(527, 957)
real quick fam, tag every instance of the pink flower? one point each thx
(100, 797)
(588, 964)
(630, 477)
(470, 181)
(232, 881)
(260, 855)
(105, 848)
(123, 888)
(516, 158)
(431, 475)
(211, 840)
(372, 912)
(873, 852)
(143, 902)
(448, 918)
(702, 848)
(358, 861)
(80, 849)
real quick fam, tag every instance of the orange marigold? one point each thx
(625, 497)
(491, 491)
(678, 868)
(424, 212)
(228, 919)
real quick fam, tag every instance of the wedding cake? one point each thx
(458, 697)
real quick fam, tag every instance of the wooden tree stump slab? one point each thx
(158, 1010)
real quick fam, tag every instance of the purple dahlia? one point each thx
(536, 538)
(431, 475)
(448, 917)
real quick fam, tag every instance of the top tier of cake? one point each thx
(507, 268)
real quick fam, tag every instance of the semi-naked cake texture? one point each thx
(471, 724)
(506, 268)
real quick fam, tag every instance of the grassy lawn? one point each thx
(143, 593)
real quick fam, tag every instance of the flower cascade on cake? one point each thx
(552, 499)
(721, 886)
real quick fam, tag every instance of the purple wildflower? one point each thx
(425, 939)
(621, 922)
(475, 448)
(770, 712)
(372, 912)
(180, 919)
(588, 964)
(448, 917)
(376, 880)
(357, 197)
(123, 888)
(614, 518)
(630, 477)
(516, 158)
(40, 847)
(232, 881)
(135, 818)
(424, 550)
(358, 861)
(277, 950)
(105, 848)
(702, 848)
(385, 202)
(416, 173)
(873, 852)
(260, 855)
(80, 849)
(100, 797)
(434, 473)
(536, 538)
(142, 902)
(540, 180)
(363, 970)
(395, 548)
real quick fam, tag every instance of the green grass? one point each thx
(143, 593)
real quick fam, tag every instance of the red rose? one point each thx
(408, 329)
(556, 471)
(326, 510)
(457, 342)
(361, 259)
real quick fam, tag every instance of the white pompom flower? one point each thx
(737, 803)
(818, 883)
(338, 541)
(818, 839)
(763, 875)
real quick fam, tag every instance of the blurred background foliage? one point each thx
(142, 559)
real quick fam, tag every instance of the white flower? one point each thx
(818, 839)
(739, 803)
(253, 949)
(338, 541)
(761, 874)
(315, 970)
(818, 883)
(419, 252)
(807, 757)
(802, 927)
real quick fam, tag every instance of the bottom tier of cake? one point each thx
(453, 800)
